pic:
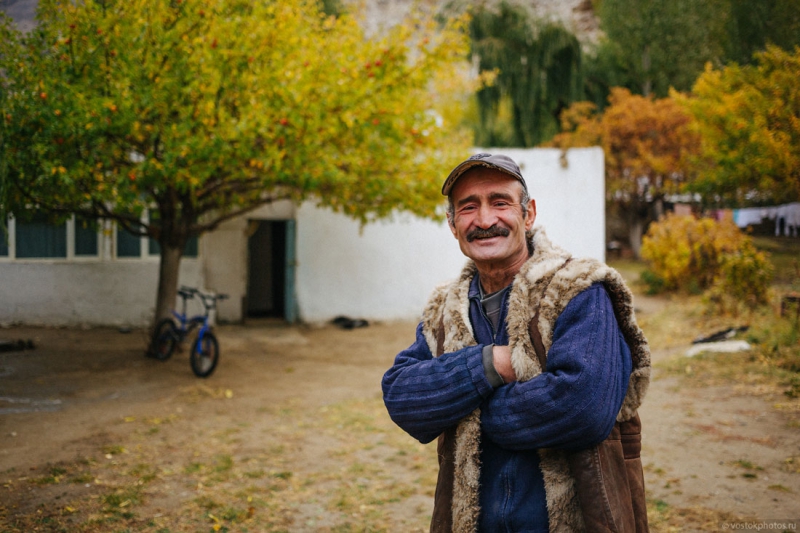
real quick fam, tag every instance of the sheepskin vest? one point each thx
(547, 282)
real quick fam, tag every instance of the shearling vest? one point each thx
(546, 282)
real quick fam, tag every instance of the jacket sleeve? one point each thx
(573, 404)
(426, 395)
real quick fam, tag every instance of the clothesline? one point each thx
(786, 217)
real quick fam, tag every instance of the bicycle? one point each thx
(167, 334)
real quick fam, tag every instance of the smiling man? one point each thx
(529, 368)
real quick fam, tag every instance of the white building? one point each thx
(293, 262)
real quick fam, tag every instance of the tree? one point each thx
(537, 69)
(752, 24)
(201, 111)
(646, 142)
(748, 120)
(654, 45)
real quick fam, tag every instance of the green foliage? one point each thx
(537, 68)
(691, 254)
(205, 109)
(753, 24)
(645, 38)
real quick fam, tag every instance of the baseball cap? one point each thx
(500, 162)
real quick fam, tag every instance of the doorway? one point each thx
(270, 270)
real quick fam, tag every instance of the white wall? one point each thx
(115, 293)
(569, 194)
(387, 270)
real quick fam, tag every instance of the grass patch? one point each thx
(54, 476)
(664, 517)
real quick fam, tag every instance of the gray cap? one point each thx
(500, 162)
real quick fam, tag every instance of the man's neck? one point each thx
(494, 276)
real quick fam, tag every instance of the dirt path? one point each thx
(290, 434)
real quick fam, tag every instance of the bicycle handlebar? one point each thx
(209, 299)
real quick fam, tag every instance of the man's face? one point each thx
(487, 219)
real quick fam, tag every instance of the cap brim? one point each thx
(469, 164)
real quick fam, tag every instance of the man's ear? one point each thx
(531, 218)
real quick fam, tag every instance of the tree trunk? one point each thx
(169, 267)
(635, 232)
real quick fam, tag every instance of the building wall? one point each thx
(114, 293)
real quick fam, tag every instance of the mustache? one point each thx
(491, 231)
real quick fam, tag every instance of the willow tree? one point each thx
(537, 74)
(200, 111)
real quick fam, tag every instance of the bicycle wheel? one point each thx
(165, 338)
(205, 355)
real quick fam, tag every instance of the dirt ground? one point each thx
(289, 434)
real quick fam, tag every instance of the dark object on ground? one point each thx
(345, 322)
(16, 346)
(721, 335)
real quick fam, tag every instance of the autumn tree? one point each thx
(646, 142)
(748, 121)
(199, 111)
(536, 68)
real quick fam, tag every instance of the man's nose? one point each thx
(485, 217)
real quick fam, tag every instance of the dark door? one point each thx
(266, 280)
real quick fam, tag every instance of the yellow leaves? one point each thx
(640, 136)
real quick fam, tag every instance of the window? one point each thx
(128, 245)
(40, 239)
(3, 238)
(86, 241)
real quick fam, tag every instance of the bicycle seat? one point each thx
(187, 292)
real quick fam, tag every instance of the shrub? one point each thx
(693, 255)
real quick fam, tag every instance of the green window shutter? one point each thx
(128, 245)
(85, 237)
(39, 238)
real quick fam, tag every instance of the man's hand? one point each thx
(502, 363)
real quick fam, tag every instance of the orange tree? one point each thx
(198, 111)
(646, 143)
(748, 119)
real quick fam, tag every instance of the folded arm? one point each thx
(426, 395)
(572, 404)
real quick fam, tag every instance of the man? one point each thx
(523, 367)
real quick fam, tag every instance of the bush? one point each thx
(694, 255)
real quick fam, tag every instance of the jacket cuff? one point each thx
(474, 363)
(495, 379)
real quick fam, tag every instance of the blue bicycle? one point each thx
(170, 332)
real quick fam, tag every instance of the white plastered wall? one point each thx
(112, 293)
